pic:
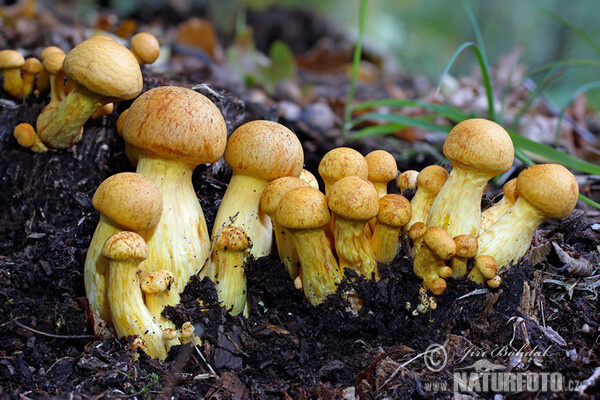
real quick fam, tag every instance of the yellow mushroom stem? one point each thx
(465, 188)
(125, 252)
(243, 195)
(65, 122)
(96, 272)
(182, 218)
(493, 213)
(319, 271)
(353, 248)
(156, 286)
(228, 262)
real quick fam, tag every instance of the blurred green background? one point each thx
(421, 36)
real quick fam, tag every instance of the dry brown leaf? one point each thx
(200, 33)
(575, 266)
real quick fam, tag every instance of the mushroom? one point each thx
(479, 150)
(429, 182)
(106, 109)
(466, 247)
(175, 129)
(258, 152)
(429, 262)
(102, 71)
(43, 81)
(156, 287)
(353, 202)
(124, 252)
(269, 202)
(228, 258)
(31, 69)
(26, 137)
(309, 178)
(407, 179)
(11, 62)
(304, 212)
(485, 270)
(494, 212)
(145, 47)
(394, 213)
(545, 191)
(382, 169)
(126, 201)
(339, 163)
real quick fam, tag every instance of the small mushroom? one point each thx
(382, 169)
(11, 62)
(106, 109)
(545, 191)
(430, 260)
(124, 252)
(258, 152)
(228, 260)
(466, 247)
(479, 150)
(339, 163)
(485, 270)
(429, 182)
(394, 213)
(156, 286)
(269, 202)
(309, 178)
(304, 212)
(353, 202)
(31, 69)
(407, 179)
(145, 47)
(43, 81)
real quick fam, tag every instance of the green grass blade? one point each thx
(589, 201)
(524, 144)
(355, 66)
(578, 62)
(378, 130)
(581, 33)
(402, 119)
(449, 112)
(485, 74)
(579, 91)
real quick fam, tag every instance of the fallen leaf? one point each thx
(575, 266)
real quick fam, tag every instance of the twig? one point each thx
(589, 381)
(473, 293)
(402, 366)
(53, 335)
(210, 368)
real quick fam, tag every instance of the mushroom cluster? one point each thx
(448, 227)
(98, 72)
(152, 236)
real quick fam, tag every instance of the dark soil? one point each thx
(53, 347)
